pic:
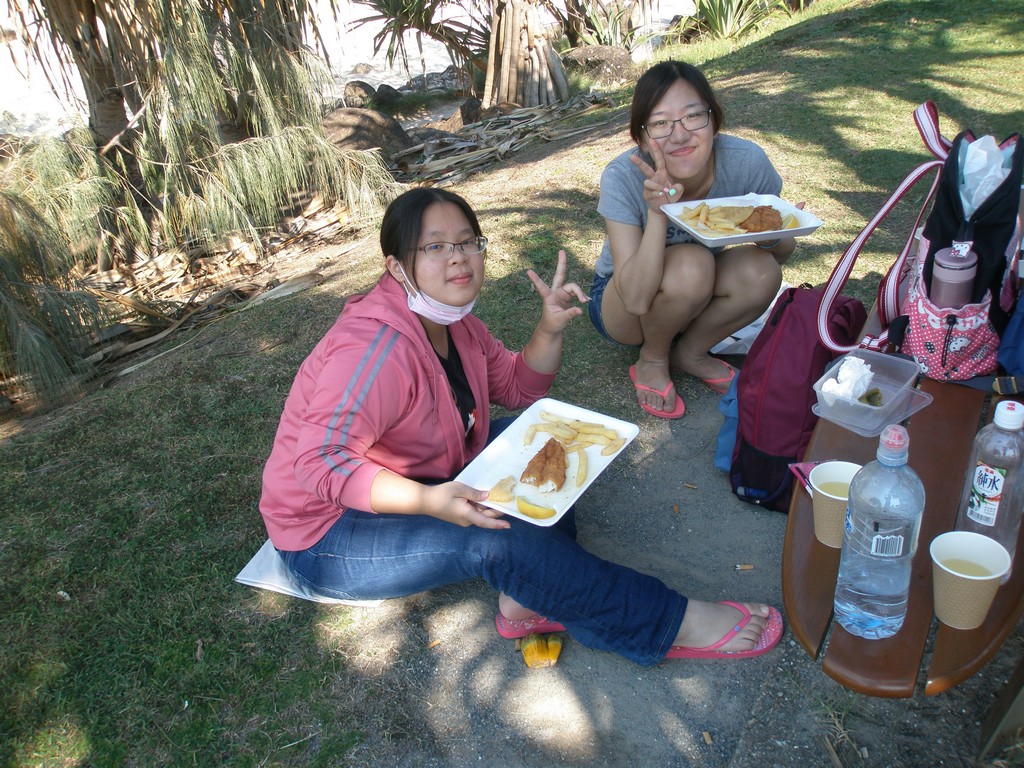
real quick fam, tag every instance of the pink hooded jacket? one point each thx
(372, 395)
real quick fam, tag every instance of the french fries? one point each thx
(722, 221)
(717, 221)
(581, 464)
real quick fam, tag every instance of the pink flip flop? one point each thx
(513, 628)
(675, 413)
(721, 384)
(769, 639)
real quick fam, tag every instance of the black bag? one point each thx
(991, 231)
(775, 392)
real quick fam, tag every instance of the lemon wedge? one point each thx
(530, 509)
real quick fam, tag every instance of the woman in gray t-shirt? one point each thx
(654, 286)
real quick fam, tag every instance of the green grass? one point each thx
(139, 501)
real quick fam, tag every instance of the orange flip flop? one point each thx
(721, 384)
(675, 413)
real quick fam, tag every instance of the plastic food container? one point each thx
(894, 376)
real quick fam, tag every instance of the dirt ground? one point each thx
(469, 700)
(437, 688)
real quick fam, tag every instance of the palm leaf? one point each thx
(43, 321)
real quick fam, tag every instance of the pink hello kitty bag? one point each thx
(949, 343)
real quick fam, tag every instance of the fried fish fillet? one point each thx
(547, 469)
(764, 218)
(503, 490)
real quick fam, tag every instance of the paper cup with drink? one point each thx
(830, 489)
(966, 570)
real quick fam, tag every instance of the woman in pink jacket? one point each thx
(395, 400)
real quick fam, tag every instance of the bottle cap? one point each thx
(954, 260)
(1009, 415)
(893, 445)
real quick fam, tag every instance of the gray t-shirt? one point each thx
(741, 167)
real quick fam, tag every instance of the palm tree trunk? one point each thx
(492, 62)
(576, 22)
(522, 67)
(515, 89)
(75, 23)
(423, 57)
(507, 38)
(557, 71)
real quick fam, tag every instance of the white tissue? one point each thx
(983, 167)
(851, 381)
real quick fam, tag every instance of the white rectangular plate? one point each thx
(805, 222)
(507, 455)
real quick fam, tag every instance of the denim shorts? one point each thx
(594, 310)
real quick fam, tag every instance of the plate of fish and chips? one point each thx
(745, 219)
(544, 460)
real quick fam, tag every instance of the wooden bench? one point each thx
(941, 437)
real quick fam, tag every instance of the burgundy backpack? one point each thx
(775, 392)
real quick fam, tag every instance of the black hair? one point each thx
(654, 84)
(403, 221)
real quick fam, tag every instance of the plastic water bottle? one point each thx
(883, 518)
(991, 499)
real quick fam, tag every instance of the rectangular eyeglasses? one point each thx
(660, 129)
(470, 247)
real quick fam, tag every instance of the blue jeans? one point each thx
(366, 556)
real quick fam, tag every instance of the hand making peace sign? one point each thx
(659, 187)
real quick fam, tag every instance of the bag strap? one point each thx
(888, 303)
(926, 117)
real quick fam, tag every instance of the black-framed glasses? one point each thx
(470, 247)
(660, 129)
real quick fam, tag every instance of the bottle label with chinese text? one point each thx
(986, 493)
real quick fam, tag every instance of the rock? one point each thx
(359, 94)
(471, 110)
(502, 108)
(425, 134)
(452, 79)
(608, 63)
(362, 69)
(682, 29)
(363, 129)
(386, 96)
(468, 113)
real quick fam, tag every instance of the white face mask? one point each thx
(431, 309)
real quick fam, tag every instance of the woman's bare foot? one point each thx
(699, 366)
(652, 379)
(510, 609)
(706, 623)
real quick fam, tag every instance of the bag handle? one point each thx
(888, 294)
(926, 117)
